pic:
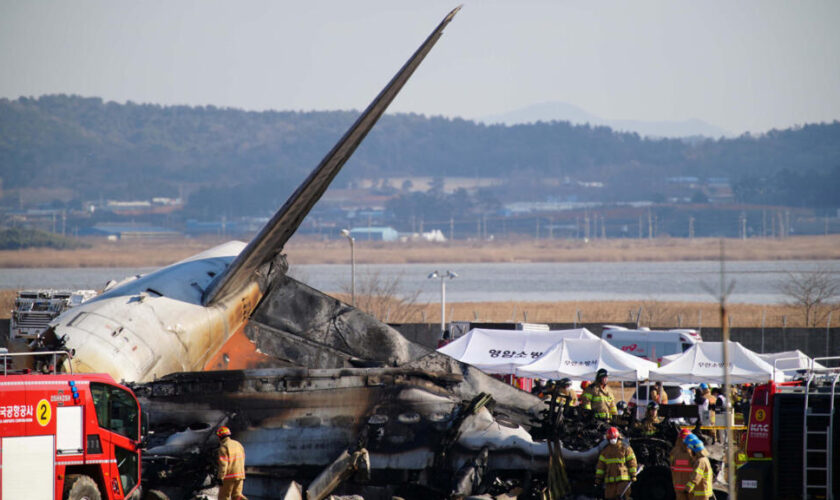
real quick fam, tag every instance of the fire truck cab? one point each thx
(68, 436)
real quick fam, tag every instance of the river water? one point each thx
(755, 281)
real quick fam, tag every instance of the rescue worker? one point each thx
(647, 427)
(699, 484)
(616, 467)
(625, 414)
(659, 395)
(712, 400)
(681, 465)
(231, 466)
(583, 385)
(565, 394)
(599, 399)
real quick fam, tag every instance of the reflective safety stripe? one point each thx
(681, 469)
(234, 476)
(232, 457)
(616, 479)
(599, 472)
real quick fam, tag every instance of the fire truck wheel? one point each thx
(154, 495)
(81, 487)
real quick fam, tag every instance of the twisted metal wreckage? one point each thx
(327, 395)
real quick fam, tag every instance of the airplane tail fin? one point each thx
(274, 235)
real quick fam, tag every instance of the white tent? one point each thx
(703, 362)
(670, 357)
(580, 359)
(790, 361)
(501, 351)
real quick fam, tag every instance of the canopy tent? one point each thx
(670, 357)
(502, 351)
(580, 359)
(703, 362)
(790, 361)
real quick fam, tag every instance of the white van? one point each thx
(650, 344)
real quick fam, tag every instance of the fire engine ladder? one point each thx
(816, 479)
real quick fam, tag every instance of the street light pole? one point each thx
(442, 276)
(346, 234)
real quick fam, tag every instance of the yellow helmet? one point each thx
(223, 431)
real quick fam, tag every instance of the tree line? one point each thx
(254, 159)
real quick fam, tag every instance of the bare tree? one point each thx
(382, 297)
(812, 293)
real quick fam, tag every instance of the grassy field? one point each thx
(309, 251)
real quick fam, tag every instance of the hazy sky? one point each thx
(741, 65)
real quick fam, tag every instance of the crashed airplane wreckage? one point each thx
(337, 396)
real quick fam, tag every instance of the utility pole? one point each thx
(603, 229)
(640, 227)
(650, 225)
(551, 228)
(537, 237)
(691, 228)
(451, 228)
(586, 226)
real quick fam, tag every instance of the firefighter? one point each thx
(599, 399)
(565, 394)
(699, 484)
(231, 466)
(583, 385)
(616, 467)
(681, 465)
(625, 414)
(647, 427)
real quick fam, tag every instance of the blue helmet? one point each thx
(704, 386)
(696, 445)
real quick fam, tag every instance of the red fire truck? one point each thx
(68, 436)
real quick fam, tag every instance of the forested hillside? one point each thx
(132, 151)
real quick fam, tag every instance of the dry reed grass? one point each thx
(655, 314)
(302, 250)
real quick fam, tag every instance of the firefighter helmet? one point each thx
(222, 432)
(601, 373)
(564, 382)
(684, 434)
(695, 445)
(612, 433)
(584, 384)
(653, 405)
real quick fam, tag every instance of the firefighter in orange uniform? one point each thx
(231, 466)
(681, 468)
(616, 467)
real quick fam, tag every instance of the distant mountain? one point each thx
(565, 112)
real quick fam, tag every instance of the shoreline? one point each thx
(306, 250)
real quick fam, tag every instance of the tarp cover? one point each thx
(703, 362)
(790, 361)
(579, 359)
(501, 351)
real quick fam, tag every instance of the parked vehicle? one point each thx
(68, 436)
(677, 394)
(651, 344)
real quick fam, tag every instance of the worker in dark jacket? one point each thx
(616, 467)
(231, 466)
